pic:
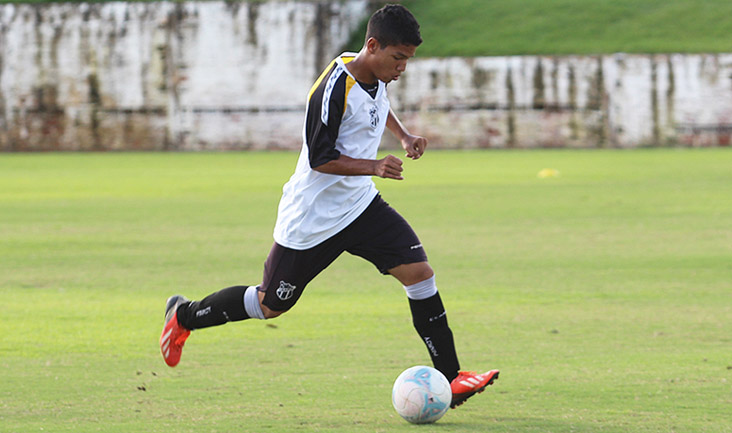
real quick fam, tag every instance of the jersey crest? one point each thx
(374, 114)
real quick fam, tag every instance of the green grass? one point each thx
(506, 27)
(603, 295)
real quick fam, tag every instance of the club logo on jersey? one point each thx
(285, 291)
(374, 113)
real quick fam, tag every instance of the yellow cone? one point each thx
(547, 172)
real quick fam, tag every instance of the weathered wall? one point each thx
(165, 75)
(218, 75)
(603, 101)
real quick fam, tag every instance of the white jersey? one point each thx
(343, 117)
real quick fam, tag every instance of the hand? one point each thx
(389, 168)
(414, 145)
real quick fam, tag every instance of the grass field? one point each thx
(507, 27)
(604, 295)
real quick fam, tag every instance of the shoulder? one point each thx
(335, 70)
(329, 94)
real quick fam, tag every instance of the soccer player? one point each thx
(331, 205)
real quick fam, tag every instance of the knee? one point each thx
(425, 272)
(266, 311)
(270, 314)
(415, 273)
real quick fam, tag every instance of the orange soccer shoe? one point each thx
(468, 383)
(174, 336)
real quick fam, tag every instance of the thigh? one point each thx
(383, 237)
(288, 271)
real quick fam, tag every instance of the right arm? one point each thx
(389, 167)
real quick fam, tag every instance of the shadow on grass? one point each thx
(510, 424)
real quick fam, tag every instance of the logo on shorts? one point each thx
(285, 291)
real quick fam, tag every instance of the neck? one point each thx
(359, 68)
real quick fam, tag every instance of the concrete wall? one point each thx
(218, 75)
(195, 75)
(603, 101)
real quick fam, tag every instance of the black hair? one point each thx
(394, 25)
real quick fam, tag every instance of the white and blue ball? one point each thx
(421, 395)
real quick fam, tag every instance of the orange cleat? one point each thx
(174, 336)
(468, 383)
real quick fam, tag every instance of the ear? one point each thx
(372, 45)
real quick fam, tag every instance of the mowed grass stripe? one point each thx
(602, 294)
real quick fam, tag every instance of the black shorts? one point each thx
(379, 235)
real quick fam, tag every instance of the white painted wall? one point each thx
(614, 100)
(193, 75)
(217, 75)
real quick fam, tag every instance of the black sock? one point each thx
(226, 305)
(430, 321)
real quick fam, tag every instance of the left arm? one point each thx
(414, 145)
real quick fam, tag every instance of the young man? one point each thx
(331, 205)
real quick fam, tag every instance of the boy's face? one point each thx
(391, 61)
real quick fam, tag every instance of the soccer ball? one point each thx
(421, 394)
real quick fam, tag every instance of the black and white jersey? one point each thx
(343, 117)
